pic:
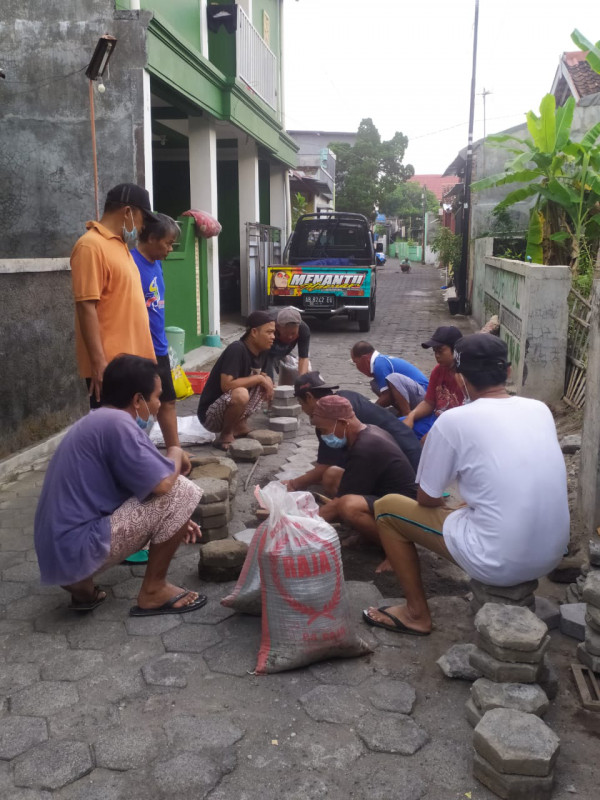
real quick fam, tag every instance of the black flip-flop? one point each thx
(224, 446)
(397, 627)
(88, 605)
(169, 607)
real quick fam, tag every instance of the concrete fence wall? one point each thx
(531, 303)
(40, 391)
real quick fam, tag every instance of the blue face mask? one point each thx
(144, 423)
(333, 441)
(130, 237)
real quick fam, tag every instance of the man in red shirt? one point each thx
(444, 391)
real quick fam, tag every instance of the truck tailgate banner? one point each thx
(295, 281)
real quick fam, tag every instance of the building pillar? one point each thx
(203, 196)
(589, 470)
(249, 207)
(280, 201)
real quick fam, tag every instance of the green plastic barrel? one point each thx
(176, 340)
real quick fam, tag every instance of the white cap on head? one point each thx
(289, 316)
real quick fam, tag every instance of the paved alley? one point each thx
(109, 707)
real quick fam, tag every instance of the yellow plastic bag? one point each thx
(183, 388)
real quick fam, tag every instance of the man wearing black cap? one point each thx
(111, 316)
(444, 391)
(237, 384)
(504, 453)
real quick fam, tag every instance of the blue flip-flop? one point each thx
(169, 607)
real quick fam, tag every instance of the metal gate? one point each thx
(263, 248)
(580, 311)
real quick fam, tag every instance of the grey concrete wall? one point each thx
(40, 392)
(46, 169)
(531, 302)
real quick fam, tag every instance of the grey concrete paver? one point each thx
(53, 765)
(19, 734)
(127, 748)
(392, 733)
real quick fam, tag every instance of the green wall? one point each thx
(183, 15)
(272, 9)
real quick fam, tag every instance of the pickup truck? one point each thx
(328, 268)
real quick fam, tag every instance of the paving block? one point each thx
(512, 787)
(392, 695)
(245, 536)
(283, 424)
(266, 437)
(548, 611)
(214, 534)
(270, 449)
(572, 620)
(472, 713)
(245, 450)
(286, 411)
(213, 729)
(592, 641)
(548, 678)
(568, 569)
(286, 401)
(503, 671)
(213, 490)
(210, 523)
(233, 487)
(570, 444)
(19, 734)
(518, 591)
(391, 733)
(591, 589)
(455, 663)
(514, 656)
(220, 471)
(527, 697)
(482, 597)
(336, 704)
(510, 627)
(573, 593)
(52, 765)
(169, 670)
(203, 511)
(592, 618)
(201, 461)
(187, 775)
(594, 551)
(283, 392)
(127, 748)
(43, 698)
(222, 560)
(591, 661)
(516, 743)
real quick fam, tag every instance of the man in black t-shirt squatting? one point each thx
(237, 384)
(375, 465)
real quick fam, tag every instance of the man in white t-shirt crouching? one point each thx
(504, 454)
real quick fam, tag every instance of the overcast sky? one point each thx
(407, 64)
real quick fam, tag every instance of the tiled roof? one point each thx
(438, 184)
(583, 76)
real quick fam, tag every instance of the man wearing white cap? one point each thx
(289, 332)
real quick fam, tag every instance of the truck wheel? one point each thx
(364, 322)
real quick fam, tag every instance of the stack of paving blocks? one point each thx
(515, 751)
(522, 594)
(217, 477)
(588, 651)
(270, 440)
(285, 411)
(245, 449)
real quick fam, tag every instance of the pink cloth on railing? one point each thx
(206, 225)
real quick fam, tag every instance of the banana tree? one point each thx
(563, 176)
(593, 50)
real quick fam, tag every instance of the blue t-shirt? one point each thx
(385, 365)
(103, 461)
(153, 285)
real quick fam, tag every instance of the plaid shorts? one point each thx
(156, 520)
(213, 421)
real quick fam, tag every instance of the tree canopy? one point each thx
(370, 170)
(406, 200)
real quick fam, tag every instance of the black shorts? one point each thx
(163, 367)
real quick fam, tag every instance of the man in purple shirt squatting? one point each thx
(108, 492)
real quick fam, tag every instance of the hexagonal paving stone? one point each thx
(511, 627)
(516, 743)
(392, 778)
(45, 697)
(392, 696)
(339, 704)
(346, 672)
(33, 647)
(527, 697)
(72, 665)
(19, 734)
(232, 657)
(53, 765)
(32, 606)
(27, 572)
(151, 626)
(190, 639)
(128, 589)
(83, 721)
(96, 635)
(127, 748)
(169, 670)
(16, 676)
(200, 733)
(103, 784)
(455, 663)
(12, 591)
(392, 733)
(188, 774)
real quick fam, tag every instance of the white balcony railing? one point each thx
(256, 62)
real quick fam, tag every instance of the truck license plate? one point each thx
(318, 300)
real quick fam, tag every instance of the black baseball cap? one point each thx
(445, 335)
(256, 319)
(480, 352)
(310, 381)
(130, 194)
